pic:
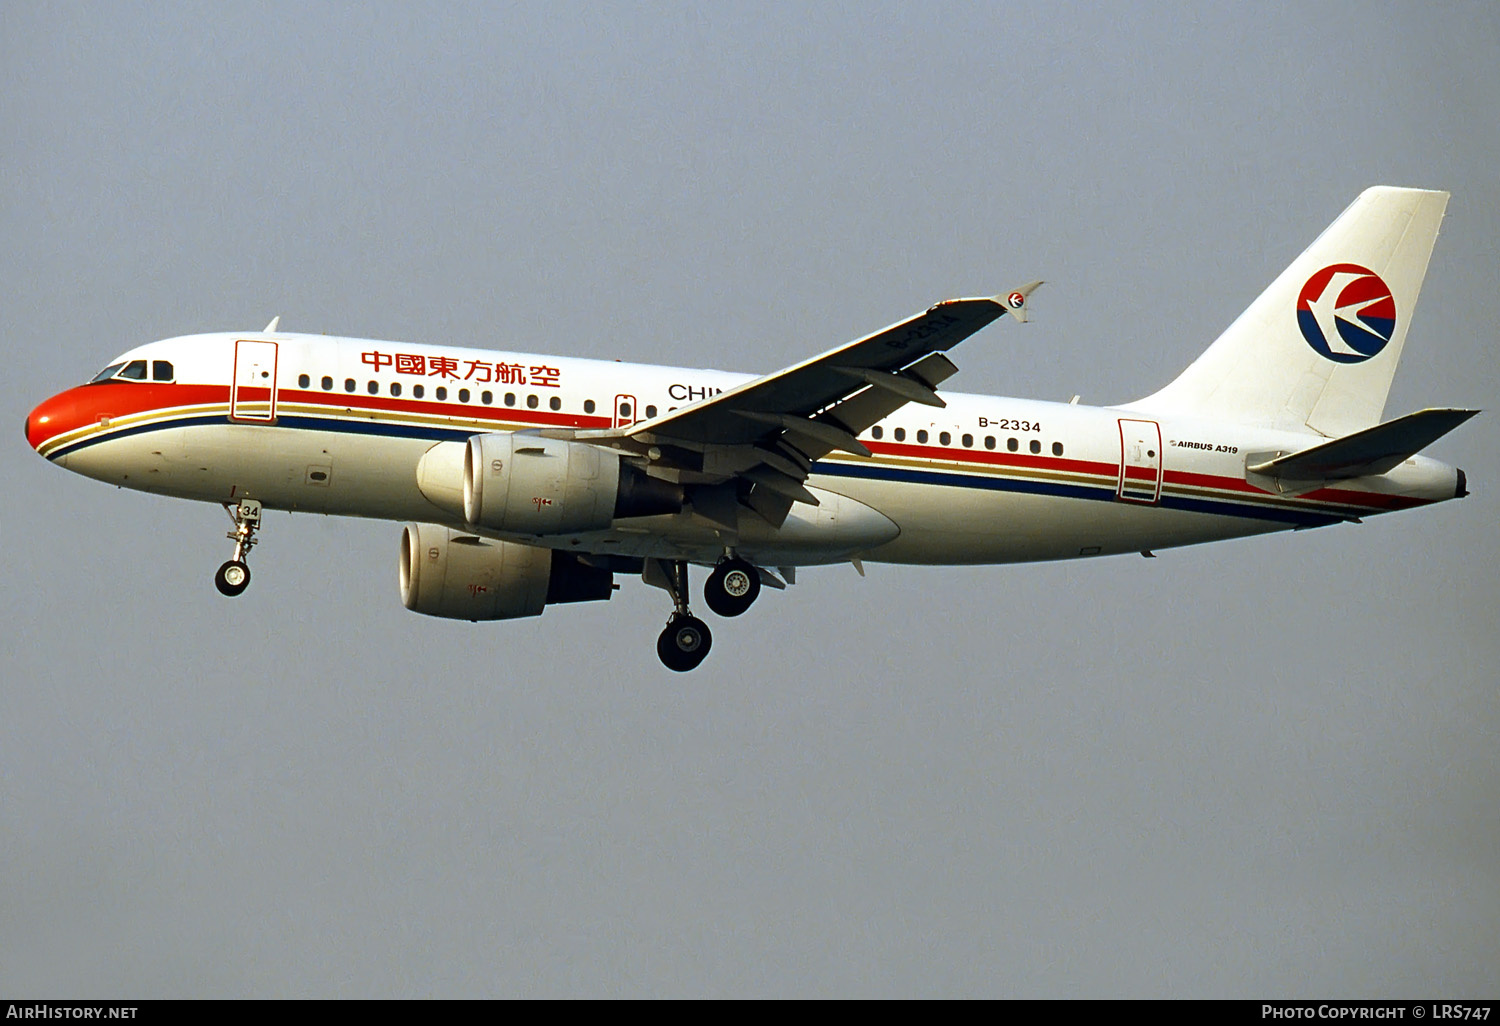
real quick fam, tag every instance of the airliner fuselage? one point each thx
(532, 479)
(988, 479)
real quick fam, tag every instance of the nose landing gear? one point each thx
(234, 576)
(686, 640)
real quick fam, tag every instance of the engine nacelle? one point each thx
(526, 484)
(455, 575)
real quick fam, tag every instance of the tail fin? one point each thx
(1318, 349)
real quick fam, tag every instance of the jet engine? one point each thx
(526, 484)
(451, 574)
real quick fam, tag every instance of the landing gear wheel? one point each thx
(732, 587)
(684, 643)
(233, 577)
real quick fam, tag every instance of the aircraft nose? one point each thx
(51, 417)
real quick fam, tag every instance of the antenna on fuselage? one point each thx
(270, 328)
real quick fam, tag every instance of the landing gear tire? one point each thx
(233, 577)
(732, 587)
(685, 642)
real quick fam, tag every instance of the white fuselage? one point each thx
(338, 426)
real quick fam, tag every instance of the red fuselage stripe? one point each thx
(89, 404)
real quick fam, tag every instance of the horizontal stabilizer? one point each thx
(1375, 450)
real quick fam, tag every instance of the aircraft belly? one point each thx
(150, 462)
(955, 525)
(835, 530)
(290, 469)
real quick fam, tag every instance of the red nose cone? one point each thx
(52, 417)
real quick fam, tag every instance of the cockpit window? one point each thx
(136, 370)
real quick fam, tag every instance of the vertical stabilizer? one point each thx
(1318, 349)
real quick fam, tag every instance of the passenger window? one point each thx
(900, 434)
(327, 383)
(588, 406)
(531, 401)
(441, 393)
(303, 381)
(555, 403)
(135, 370)
(968, 441)
(395, 388)
(161, 370)
(510, 398)
(373, 387)
(875, 432)
(922, 437)
(650, 412)
(348, 384)
(417, 391)
(1057, 448)
(463, 395)
(989, 441)
(1012, 444)
(486, 397)
(1036, 446)
(945, 438)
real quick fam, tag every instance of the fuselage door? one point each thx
(252, 391)
(625, 411)
(1140, 461)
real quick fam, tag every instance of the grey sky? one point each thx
(1264, 767)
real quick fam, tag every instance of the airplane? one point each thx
(531, 480)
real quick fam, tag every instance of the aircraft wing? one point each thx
(767, 432)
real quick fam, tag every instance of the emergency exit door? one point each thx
(625, 413)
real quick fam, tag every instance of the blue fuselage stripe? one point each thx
(861, 471)
(1026, 486)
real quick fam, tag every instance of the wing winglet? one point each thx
(1016, 302)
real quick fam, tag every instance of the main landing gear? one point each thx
(731, 588)
(686, 640)
(234, 576)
